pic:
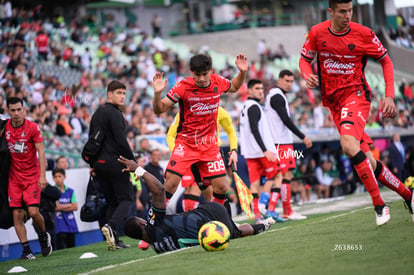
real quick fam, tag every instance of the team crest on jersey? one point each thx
(173, 162)
(23, 134)
(351, 46)
(215, 89)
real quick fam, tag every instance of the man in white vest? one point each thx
(282, 126)
(257, 146)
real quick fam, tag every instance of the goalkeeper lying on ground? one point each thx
(171, 232)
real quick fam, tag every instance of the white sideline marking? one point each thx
(272, 230)
(133, 261)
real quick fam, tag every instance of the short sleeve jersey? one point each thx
(341, 58)
(198, 108)
(172, 232)
(24, 165)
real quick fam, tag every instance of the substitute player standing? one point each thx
(198, 97)
(282, 126)
(257, 146)
(27, 174)
(342, 49)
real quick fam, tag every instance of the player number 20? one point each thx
(215, 166)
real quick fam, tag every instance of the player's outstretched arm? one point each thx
(154, 185)
(160, 105)
(242, 65)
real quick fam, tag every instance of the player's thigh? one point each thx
(351, 118)
(31, 194)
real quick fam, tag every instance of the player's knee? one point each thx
(33, 212)
(350, 145)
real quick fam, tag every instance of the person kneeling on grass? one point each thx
(172, 232)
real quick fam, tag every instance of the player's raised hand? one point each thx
(312, 81)
(158, 82)
(389, 109)
(241, 63)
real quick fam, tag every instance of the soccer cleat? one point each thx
(46, 245)
(109, 236)
(274, 215)
(262, 208)
(120, 244)
(296, 216)
(267, 222)
(410, 204)
(383, 214)
(27, 256)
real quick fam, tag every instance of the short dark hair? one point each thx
(132, 228)
(59, 158)
(14, 100)
(200, 63)
(332, 3)
(253, 82)
(115, 85)
(284, 73)
(58, 171)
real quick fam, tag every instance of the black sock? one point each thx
(258, 228)
(26, 247)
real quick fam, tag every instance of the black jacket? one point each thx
(110, 120)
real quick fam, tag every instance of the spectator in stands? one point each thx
(156, 23)
(154, 167)
(62, 163)
(63, 127)
(397, 156)
(346, 172)
(327, 179)
(144, 149)
(299, 184)
(262, 50)
(80, 129)
(42, 44)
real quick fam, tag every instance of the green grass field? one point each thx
(343, 242)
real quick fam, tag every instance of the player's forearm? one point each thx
(238, 81)
(157, 104)
(305, 67)
(42, 162)
(388, 72)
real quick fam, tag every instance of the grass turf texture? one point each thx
(336, 243)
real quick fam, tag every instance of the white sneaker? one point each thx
(383, 214)
(296, 216)
(267, 222)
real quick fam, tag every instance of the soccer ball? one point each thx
(214, 236)
(409, 182)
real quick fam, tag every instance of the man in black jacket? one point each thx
(114, 184)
